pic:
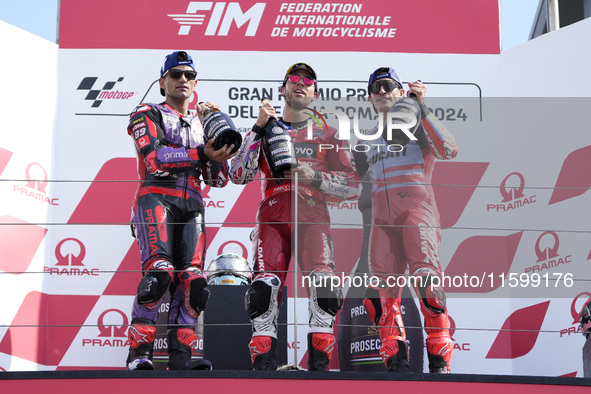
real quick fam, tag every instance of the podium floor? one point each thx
(284, 382)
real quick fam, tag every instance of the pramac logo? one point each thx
(549, 252)
(70, 253)
(575, 309)
(70, 259)
(457, 345)
(208, 202)
(228, 247)
(546, 250)
(510, 194)
(111, 335)
(513, 196)
(36, 185)
(112, 331)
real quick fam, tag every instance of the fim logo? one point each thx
(70, 263)
(97, 96)
(110, 335)
(221, 17)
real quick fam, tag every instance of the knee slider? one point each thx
(258, 298)
(196, 300)
(328, 298)
(432, 297)
(154, 284)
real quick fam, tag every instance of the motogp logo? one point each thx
(97, 96)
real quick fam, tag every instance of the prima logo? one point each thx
(97, 96)
(70, 253)
(548, 257)
(36, 185)
(513, 196)
(219, 18)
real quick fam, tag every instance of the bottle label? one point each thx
(277, 130)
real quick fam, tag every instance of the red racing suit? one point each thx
(405, 219)
(336, 180)
(406, 231)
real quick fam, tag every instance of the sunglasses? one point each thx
(177, 74)
(295, 78)
(387, 84)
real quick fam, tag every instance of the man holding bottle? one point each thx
(167, 214)
(405, 221)
(324, 176)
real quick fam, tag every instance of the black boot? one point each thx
(320, 346)
(266, 361)
(437, 364)
(399, 362)
(141, 336)
(180, 350)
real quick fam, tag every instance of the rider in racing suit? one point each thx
(167, 215)
(324, 176)
(406, 224)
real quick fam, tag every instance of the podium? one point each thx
(223, 331)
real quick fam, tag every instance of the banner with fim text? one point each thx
(457, 26)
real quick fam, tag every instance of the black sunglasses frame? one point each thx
(177, 74)
(388, 85)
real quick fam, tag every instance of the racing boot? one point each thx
(181, 342)
(263, 353)
(394, 352)
(141, 334)
(385, 313)
(440, 348)
(320, 347)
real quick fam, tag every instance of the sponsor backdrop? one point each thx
(514, 203)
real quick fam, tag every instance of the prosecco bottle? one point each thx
(220, 126)
(281, 147)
